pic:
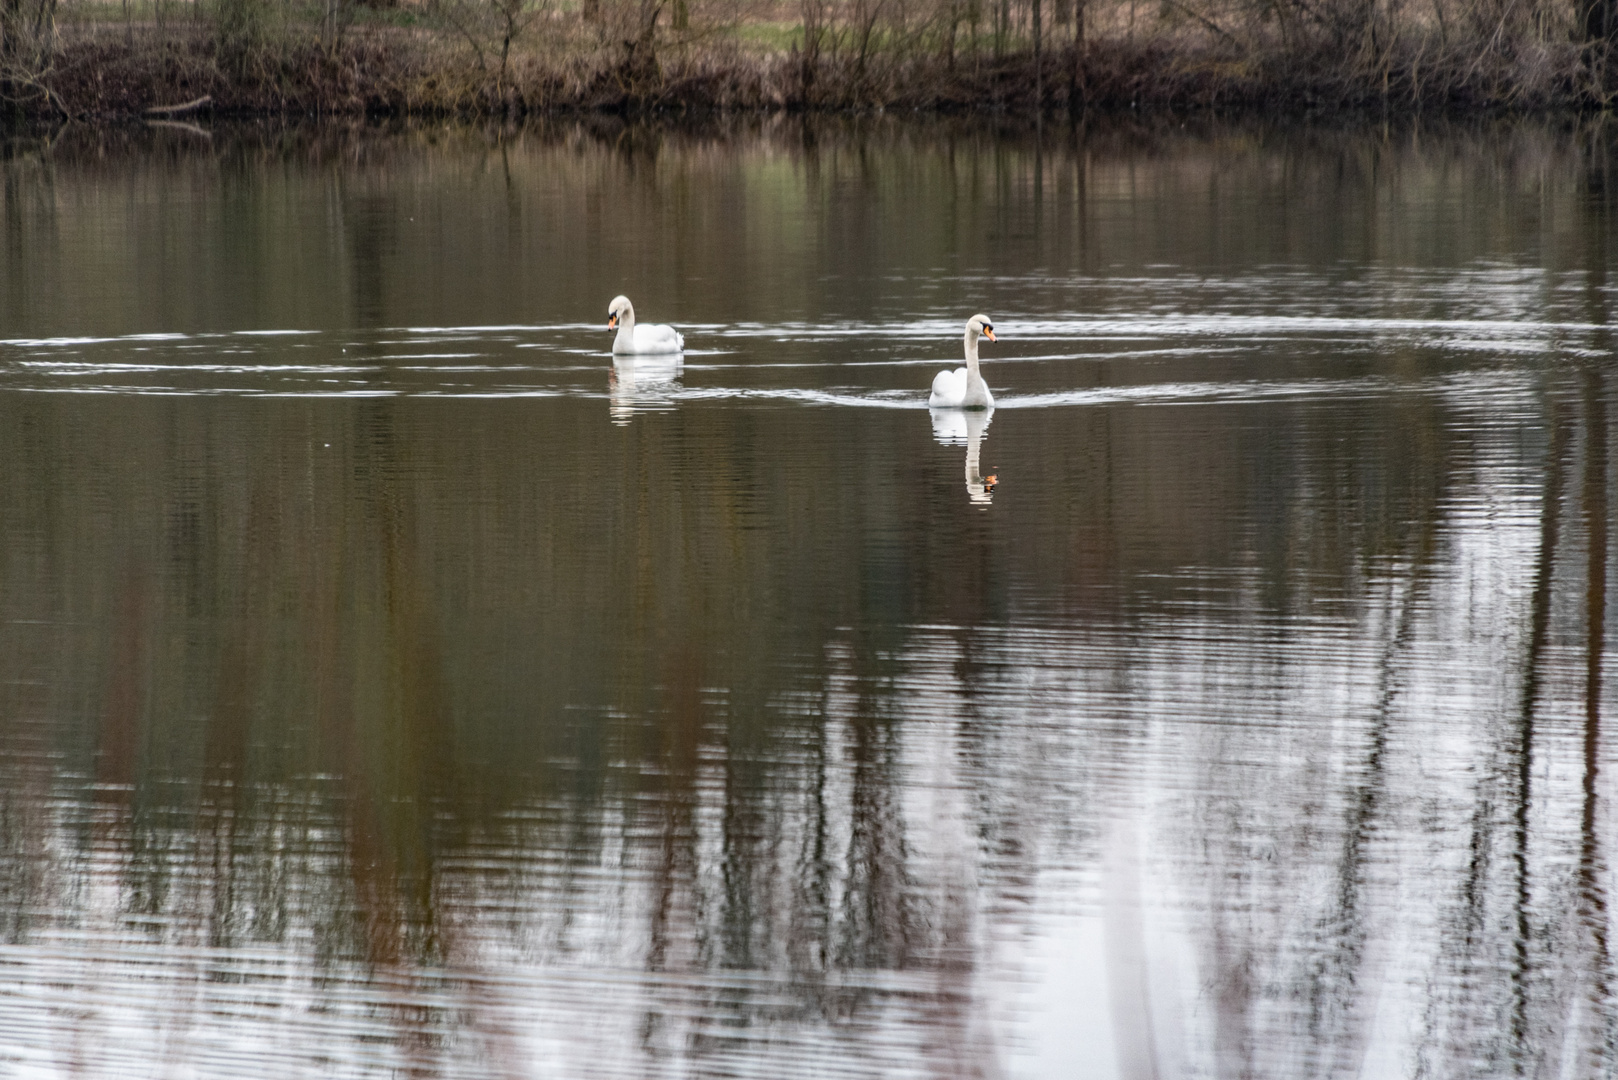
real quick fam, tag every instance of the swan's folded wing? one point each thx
(949, 387)
(658, 337)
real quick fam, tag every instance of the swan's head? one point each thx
(980, 325)
(617, 310)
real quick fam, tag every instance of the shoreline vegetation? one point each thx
(166, 59)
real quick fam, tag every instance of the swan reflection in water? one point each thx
(955, 427)
(642, 384)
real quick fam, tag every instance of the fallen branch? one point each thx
(180, 110)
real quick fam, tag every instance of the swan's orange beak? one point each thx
(988, 332)
(989, 482)
(612, 322)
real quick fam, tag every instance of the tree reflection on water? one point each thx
(488, 737)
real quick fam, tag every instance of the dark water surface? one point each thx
(390, 687)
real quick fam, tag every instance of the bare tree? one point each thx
(814, 33)
(492, 28)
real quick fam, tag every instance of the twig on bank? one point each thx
(180, 110)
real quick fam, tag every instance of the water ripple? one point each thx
(785, 361)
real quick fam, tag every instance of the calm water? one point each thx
(391, 687)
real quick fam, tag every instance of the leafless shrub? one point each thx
(493, 29)
(28, 52)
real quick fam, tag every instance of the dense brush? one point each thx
(554, 61)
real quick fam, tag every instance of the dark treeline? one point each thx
(82, 59)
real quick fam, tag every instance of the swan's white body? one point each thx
(635, 340)
(964, 388)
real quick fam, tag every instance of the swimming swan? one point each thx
(964, 388)
(632, 339)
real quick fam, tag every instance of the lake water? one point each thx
(391, 686)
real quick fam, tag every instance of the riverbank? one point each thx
(410, 62)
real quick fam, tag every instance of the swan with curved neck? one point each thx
(964, 388)
(633, 340)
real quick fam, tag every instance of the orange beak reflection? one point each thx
(988, 332)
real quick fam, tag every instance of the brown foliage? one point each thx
(508, 57)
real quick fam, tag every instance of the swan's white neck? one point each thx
(626, 328)
(975, 394)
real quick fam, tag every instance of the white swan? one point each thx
(639, 340)
(964, 388)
